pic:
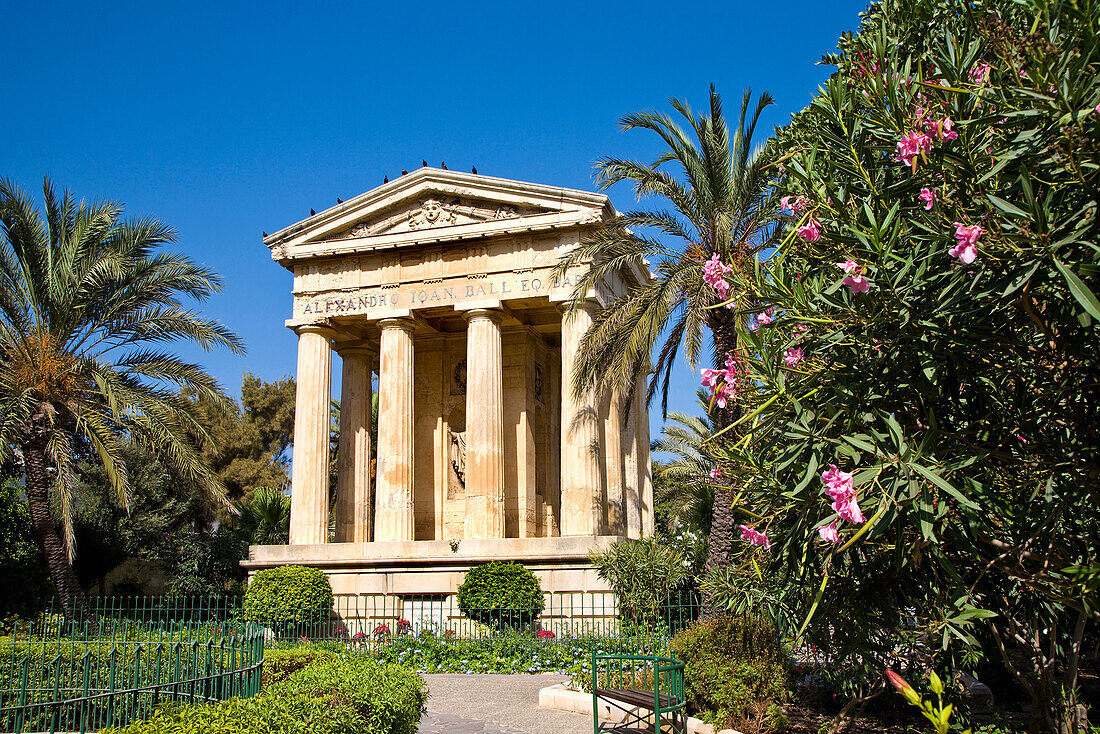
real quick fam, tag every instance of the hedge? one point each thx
(310, 692)
(501, 595)
(288, 599)
(735, 673)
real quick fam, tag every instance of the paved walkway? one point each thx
(495, 704)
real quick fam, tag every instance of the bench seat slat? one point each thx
(640, 699)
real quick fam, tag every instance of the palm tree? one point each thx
(265, 518)
(716, 200)
(686, 493)
(86, 298)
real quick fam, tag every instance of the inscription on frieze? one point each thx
(527, 283)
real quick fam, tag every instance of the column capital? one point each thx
(322, 329)
(484, 314)
(356, 350)
(403, 323)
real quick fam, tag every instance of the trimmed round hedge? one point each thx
(288, 598)
(501, 595)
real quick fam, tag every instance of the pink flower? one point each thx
(765, 317)
(837, 481)
(714, 275)
(725, 392)
(794, 204)
(848, 509)
(715, 473)
(841, 488)
(911, 146)
(855, 281)
(711, 377)
(722, 382)
(1098, 109)
(801, 328)
(793, 356)
(946, 133)
(928, 196)
(967, 238)
(755, 537)
(810, 231)
(828, 533)
(979, 74)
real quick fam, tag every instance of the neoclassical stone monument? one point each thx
(442, 284)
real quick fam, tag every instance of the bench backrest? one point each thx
(661, 676)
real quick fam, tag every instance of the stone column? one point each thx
(613, 456)
(309, 469)
(484, 426)
(393, 517)
(580, 436)
(645, 465)
(631, 473)
(353, 490)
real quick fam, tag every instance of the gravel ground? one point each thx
(495, 704)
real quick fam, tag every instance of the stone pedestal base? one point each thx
(432, 567)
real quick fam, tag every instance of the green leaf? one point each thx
(943, 484)
(1006, 207)
(1079, 290)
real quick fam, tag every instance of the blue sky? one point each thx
(228, 119)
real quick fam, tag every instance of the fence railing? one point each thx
(374, 620)
(109, 670)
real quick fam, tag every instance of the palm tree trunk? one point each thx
(720, 540)
(72, 597)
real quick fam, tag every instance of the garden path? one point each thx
(495, 704)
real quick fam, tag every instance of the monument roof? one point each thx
(432, 205)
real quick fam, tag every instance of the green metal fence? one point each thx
(109, 670)
(374, 620)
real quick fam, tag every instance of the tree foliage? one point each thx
(87, 302)
(713, 201)
(950, 167)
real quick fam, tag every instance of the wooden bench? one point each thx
(648, 689)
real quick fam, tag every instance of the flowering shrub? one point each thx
(545, 634)
(933, 444)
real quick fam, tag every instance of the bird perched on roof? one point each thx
(443, 165)
(265, 234)
(339, 200)
(423, 163)
(474, 170)
(403, 172)
(312, 212)
(385, 179)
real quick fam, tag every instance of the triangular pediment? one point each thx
(436, 209)
(434, 205)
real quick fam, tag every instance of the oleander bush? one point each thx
(918, 376)
(328, 694)
(288, 599)
(735, 673)
(501, 595)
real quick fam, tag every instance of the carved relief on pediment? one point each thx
(437, 210)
